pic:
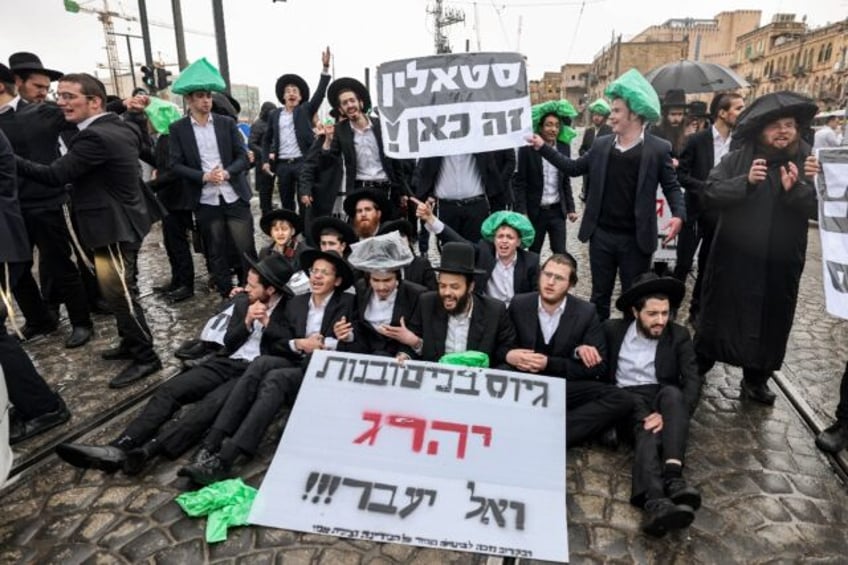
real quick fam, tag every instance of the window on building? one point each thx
(828, 52)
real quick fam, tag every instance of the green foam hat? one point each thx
(600, 106)
(640, 96)
(466, 359)
(519, 222)
(161, 114)
(562, 109)
(199, 76)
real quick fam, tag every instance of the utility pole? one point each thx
(145, 31)
(221, 40)
(617, 55)
(442, 18)
(182, 60)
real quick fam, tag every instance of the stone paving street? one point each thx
(769, 495)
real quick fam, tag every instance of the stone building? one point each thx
(619, 56)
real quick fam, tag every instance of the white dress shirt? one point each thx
(90, 120)
(368, 164)
(250, 349)
(550, 189)
(623, 148)
(721, 146)
(11, 105)
(288, 149)
(459, 178)
(501, 285)
(314, 321)
(210, 157)
(636, 360)
(550, 322)
(379, 312)
(456, 340)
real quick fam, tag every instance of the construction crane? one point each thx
(442, 18)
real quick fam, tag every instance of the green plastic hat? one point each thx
(161, 114)
(640, 96)
(466, 359)
(561, 109)
(200, 75)
(517, 221)
(225, 503)
(600, 106)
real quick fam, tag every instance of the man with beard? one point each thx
(599, 111)
(454, 319)
(365, 209)
(672, 127)
(703, 151)
(560, 335)
(764, 195)
(32, 80)
(652, 360)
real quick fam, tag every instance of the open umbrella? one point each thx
(694, 76)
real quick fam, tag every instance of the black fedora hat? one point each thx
(348, 83)
(226, 105)
(267, 220)
(403, 226)
(295, 80)
(774, 106)
(6, 74)
(22, 62)
(274, 268)
(343, 269)
(698, 109)
(325, 222)
(651, 283)
(378, 198)
(458, 257)
(674, 98)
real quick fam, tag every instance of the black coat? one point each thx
(529, 183)
(495, 168)
(579, 325)
(168, 185)
(656, 168)
(696, 162)
(589, 137)
(185, 156)
(302, 116)
(368, 339)
(14, 244)
(102, 164)
(758, 251)
(421, 272)
(674, 364)
(275, 336)
(321, 178)
(340, 304)
(490, 331)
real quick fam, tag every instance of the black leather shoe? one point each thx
(609, 439)
(134, 372)
(758, 392)
(100, 307)
(116, 353)
(210, 471)
(191, 349)
(164, 288)
(23, 429)
(833, 439)
(179, 294)
(79, 337)
(663, 516)
(104, 457)
(29, 332)
(681, 493)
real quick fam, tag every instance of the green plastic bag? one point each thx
(640, 96)
(517, 221)
(563, 109)
(225, 503)
(600, 106)
(466, 359)
(199, 76)
(161, 114)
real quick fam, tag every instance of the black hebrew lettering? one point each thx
(447, 384)
(542, 397)
(838, 276)
(494, 123)
(384, 507)
(497, 509)
(414, 381)
(222, 320)
(332, 366)
(416, 496)
(470, 376)
(433, 129)
(327, 485)
(493, 381)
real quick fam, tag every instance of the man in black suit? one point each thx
(289, 135)
(256, 328)
(653, 360)
(209, 155)
(702, 152)
(109, 208)
(558, 334)
(37, 408)
(542, 191)
(620, 216)
(454, 319)
(599, 110)
(32, 80)
(419, 271)
(264, 181)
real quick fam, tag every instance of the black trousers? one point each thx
(612, 253)
(186, 388)
(265, 189)
(842, 407)
(591, 408)
(706, 230)
(288, 172)
(176, 230)
(268, 384)
(687, 244)
(465, 216)
(653, 449)
(550, 221)
(116, 269)
(216, 222)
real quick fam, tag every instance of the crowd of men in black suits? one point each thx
(363, 288)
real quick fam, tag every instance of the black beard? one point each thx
(461, 304)
(645, 331)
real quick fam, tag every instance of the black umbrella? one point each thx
(694, 76)
(773, 106)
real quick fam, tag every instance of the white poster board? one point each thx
(430, 455)
(832, 189)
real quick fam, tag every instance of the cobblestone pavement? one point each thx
(769, 495)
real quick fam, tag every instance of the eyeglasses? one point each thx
(68, 96)
(555, 277)
(322, 272)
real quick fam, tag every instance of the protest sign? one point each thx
(424, 454)
(664, 253)
(832, 189)
(453, 104)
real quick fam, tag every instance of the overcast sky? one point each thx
(267, 39)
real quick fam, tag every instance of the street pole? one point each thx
(132, 63)
(145, 32)
(182, 60)
(221, 40)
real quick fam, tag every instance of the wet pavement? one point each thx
(769, 495)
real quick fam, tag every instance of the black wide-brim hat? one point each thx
(23, 61)
(343, 269)
(771, 107)
(698, 109)
(274, 268)
(405, 227)
(458, 257)
(267, 220)
(223, 103)
(320, 224)
(348, 83)
(651, 283)
(674, 98)
(379, 199)
(296, 80)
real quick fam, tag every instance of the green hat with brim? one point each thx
(601, 107)
(161, 114)
(563, 110)
(518, 222)
(466, 359)
(640, 96)
(199, 76)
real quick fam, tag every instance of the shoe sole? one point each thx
(690, 499)
(83, 461)
(17, 440)
(677, 520)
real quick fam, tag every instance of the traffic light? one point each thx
(162, 75)
(147, 77)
